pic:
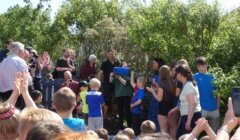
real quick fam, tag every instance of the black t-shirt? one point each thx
(64, 64)
(107, 68)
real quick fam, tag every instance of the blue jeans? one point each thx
(181, 127)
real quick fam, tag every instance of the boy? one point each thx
(136, 102)
(209, 103)
(64, 101)
(95, 101)
(84, 88)
(37, 98)
(148, 127)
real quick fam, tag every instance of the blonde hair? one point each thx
(121, 137)
(75, 136)
(148, 127)
(9, 124)
(129, 132)
(64, 99)
(94, 83)
(33, 115)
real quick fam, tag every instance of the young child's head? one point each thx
(141, 82)
(202, 64)
(29, 117)
(121, 137)
(129, 132)
(148, 127)
(83, 85)
(94, 84)
(76, 136)
(9, 121)
(46, 131)
(64, 100)
(36, 96)
(102, 133)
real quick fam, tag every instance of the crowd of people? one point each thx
(181, 105)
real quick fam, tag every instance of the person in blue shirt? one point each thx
(64, 101)
(4, 51)
(95, 101)
(136, 102)
(208, 101)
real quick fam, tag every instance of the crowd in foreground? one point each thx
(181, 104)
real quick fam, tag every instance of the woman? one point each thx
(153, 103)
(190, 109)
(165, 97)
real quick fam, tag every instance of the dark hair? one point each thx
(36, 94)
(201, 61)
(165, 76)
(160, 61)
(186, 72)
(110, 50)
(9, 41)
(102, 133)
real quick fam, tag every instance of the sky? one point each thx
(226, 5)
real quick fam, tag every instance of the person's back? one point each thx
(64, 102)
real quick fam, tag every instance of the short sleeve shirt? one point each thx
(188, 89)
(95, 100)
(122, 90)
(139, 95)
(107, 68)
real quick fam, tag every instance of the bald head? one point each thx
(67, 75)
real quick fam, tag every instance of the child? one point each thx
(64, 101)
(148, 127)
(129, 132)
(209, 102)
(102, 133)
(37, 98)
(136, 102)
(84, 88)
(95, 101)
(9, 120)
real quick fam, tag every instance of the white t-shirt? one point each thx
(189, 88)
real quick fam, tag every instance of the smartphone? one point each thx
(236, 100)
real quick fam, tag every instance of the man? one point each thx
(8, 70)
(3, 52)
(64, 64)
(74, 86)
(107, 87)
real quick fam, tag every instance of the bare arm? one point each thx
(24, 90)
(16, 90)
(132, 79)
(192, 104)
(111, 77)
(159, 94)
(124, 82)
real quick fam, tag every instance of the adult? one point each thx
(64, 64)
(208, 101)
(107, 87)
(88, 68)
(4, 51)
(190, 108)
(8, 70)
(153, 103)
(123, 94)
(72, 84)
(72, 57)
(47, 65)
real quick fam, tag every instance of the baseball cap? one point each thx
(83, 84)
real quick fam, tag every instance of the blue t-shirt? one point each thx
(95, 100)
(140, 93)
(75, 124)
(205, 86)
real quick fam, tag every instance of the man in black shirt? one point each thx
(108, 88)
(64, 64)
